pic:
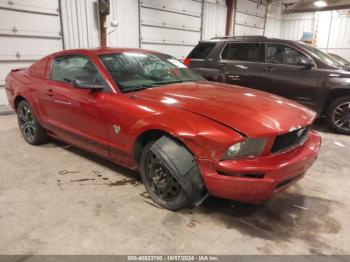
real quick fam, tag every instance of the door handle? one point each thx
(234, 77)
(269, 69)
(221, 63)
(50, 92)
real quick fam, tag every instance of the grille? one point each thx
(289, 140)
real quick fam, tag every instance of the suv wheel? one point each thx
(338, 115)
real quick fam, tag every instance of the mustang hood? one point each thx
(251, 112)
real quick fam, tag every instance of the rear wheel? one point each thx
(30, 128)
(162, 186)
(338, 115)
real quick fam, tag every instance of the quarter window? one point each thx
(280, 54)
(202, 50)
(251, 52)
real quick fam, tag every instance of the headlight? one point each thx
(251, 147)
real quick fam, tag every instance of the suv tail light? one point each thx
(187, 61)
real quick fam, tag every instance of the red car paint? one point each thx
(207, 117)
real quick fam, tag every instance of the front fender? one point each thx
(203, 137)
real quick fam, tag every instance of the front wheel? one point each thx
(162, 186)
(31, 130)
(338, 115)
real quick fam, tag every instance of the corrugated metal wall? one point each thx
(333, 32)
(274, 20)
(80, 23)
(294, 25)
(214, 18)
(331, 29)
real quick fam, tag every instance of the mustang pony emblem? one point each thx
(116, 128)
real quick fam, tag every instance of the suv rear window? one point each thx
(201, 50)
(251, 52)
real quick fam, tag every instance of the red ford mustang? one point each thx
(147, 111)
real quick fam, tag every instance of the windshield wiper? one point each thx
(170, 82)
(138, 87)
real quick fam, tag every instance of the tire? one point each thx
(32, 132)
(162, 186)
(338, 115)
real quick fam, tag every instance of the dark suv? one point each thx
(287, 68)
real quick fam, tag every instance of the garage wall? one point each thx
(214, 18)
(331, 29)
(249, 17)
(173, 27)
(293, 25)
(80, 23)
(274, 20)
(333, 32)
(29, 30)
(123, 23)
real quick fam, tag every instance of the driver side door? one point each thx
(76, 114)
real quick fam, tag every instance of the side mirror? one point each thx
(87, 82)
(306, 62)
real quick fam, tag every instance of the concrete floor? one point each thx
(55, 199)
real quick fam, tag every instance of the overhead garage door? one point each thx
(30, 29)
(169, 26)
(249, 17)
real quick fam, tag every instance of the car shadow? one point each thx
(125, 172)
(287, 216)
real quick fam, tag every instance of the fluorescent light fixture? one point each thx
(320, 3)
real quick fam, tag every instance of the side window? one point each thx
(280, 54)
(250, 52)
(66, 68)
(201, 50)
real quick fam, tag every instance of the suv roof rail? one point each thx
(256, 37)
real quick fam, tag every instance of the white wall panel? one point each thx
(164, 35)
(333, 32)
(168, 26)
(29, 24)
(80, 23)
(274, 20)
(294, 25)
(123, 14)
(249, 18)
(244, 30)
(273, 27)
(214, 19)
(38, 6)
(179, 6)
(30, 29)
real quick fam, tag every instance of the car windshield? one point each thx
(340, 59)
(136, 70)
(324, 57)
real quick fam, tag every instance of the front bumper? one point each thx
(278, 172)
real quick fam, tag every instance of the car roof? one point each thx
(102, 51)
(248, 38)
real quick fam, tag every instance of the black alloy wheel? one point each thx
(31, 130)
(338, 116)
